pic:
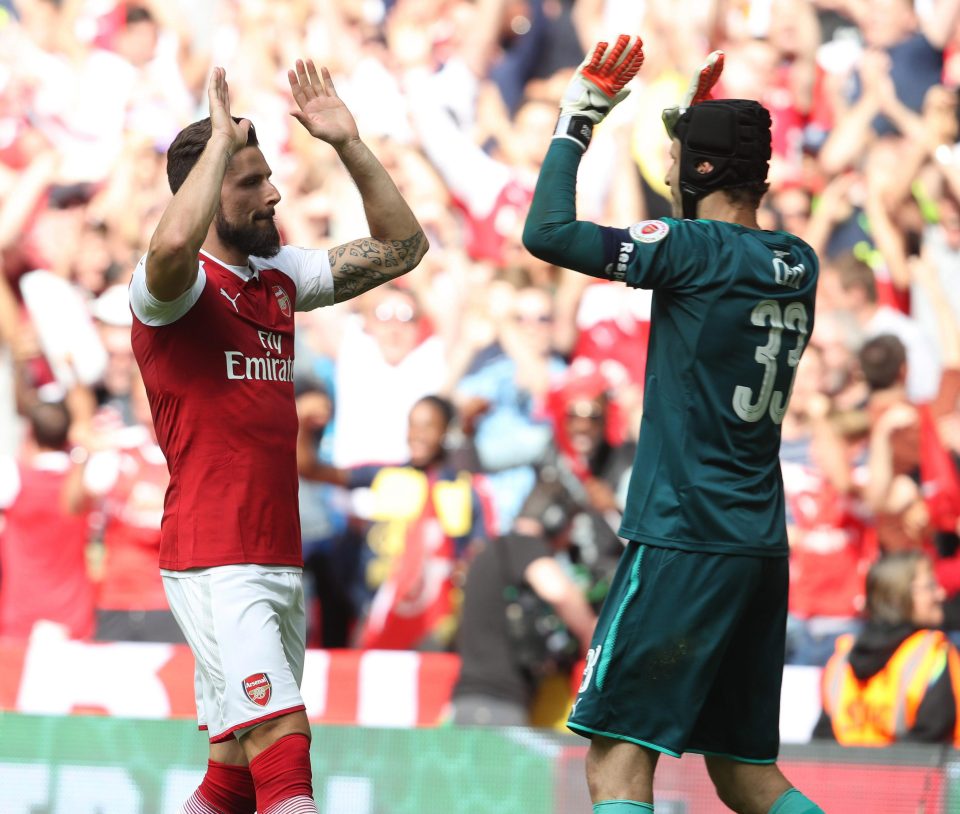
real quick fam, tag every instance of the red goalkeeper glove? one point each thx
(597, 87)
(698, 90)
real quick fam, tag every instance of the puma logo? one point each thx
(233, 300)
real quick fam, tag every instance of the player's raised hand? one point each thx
(321, 111)
(599, 83)
(707, 75)
(221, 121)
(698, 90)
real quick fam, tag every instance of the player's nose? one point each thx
(273, 195)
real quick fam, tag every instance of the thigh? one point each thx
(248, 647)
(291, 612)
(741, 718)
(660, 641)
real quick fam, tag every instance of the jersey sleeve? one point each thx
(665, 254)
(153, 312)
(656, 254)
(310, 271)
(9, 481)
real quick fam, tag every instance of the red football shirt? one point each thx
(133, 506)
(218, 368)
(42, 555)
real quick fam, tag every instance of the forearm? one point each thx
(947, 330)
(850, 138)
(879, 471)
(888, 239)
(551, 584)
(186, 220)
(309, 466)
(940, 26)
(552, 231)
(388, 215)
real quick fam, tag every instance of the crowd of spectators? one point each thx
(432, 408)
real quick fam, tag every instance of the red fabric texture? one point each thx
(938, 474)
(228, 788)
(42, 557)
(282, 771)
(233, 487)
(418, 594)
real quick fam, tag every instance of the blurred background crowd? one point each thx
(467, 433)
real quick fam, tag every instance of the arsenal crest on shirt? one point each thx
(258, 687)
(282, 300)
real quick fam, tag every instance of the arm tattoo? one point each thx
(363, 264)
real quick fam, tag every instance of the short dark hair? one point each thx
(186, 148)
(852, 272)
(49, 424)
(443, 406)
(747, 196)
(881, 360)
(137, 14)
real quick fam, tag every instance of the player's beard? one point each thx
(261, 239)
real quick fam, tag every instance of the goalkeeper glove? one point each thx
(597, 86)
(698, 91)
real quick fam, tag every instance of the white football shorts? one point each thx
(246, 627)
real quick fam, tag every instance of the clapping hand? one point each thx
(321, 111)
(221, 122)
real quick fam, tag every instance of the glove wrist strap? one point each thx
(576, 128)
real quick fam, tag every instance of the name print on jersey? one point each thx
(784, 273)
(266, 368)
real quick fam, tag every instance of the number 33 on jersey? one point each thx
(752, 406)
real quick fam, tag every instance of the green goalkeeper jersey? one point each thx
(732, 312)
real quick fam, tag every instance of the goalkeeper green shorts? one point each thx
(688, 655)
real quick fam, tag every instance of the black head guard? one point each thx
(724, 143)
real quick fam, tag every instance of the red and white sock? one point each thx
(283, 778)
(225, 789)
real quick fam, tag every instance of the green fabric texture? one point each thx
(621, 807)
(552, 231)
(793, 802)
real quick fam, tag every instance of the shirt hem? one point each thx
(167, 565)
(704, 547)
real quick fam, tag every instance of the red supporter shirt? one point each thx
(133, 504)
(218, 368)
(830, 553)
(42, 554)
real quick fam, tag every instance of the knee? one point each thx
(746, 788)
(618, 770)
(264, 735)
(731, 795)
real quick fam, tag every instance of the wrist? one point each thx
(222, 143)
(352, 147)
(576, 128)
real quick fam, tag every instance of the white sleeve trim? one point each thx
(310, 271)
(151, 311)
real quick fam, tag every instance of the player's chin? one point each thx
(421, 456)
